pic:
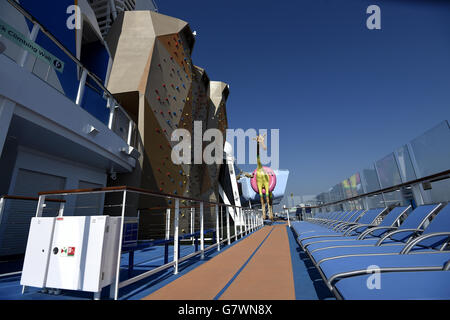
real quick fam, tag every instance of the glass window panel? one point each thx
(432, 150)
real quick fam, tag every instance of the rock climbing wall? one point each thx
(154, 79)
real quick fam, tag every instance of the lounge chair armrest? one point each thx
(343, 226)
(337, 226)
(355, 227)
(447, 266)
(388, 235)
(416, 241)
(369, 231)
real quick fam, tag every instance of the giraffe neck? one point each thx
(258, 159)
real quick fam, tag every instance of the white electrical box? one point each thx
(82, 255)
(35, 264)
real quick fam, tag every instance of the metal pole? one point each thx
(289, 221)
(240, 221)
(244, 218)
(61, 209)
(2, 205)
(167, 224)
(202, 236)
(235, 223)
(217, 228)
(119, 254)
(193, 224)
(40, 206)
(130, 131)
(228, 227)
(247, 223)
(112, 109)
(81, 87)
(175, 236)
(221, 221)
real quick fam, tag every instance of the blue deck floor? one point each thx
(308, 284)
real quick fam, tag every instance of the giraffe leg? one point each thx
(263, 206)
(270, 207)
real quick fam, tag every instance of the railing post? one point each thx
(217, 228)
(2, 206)
(33, 36)
(81, 87)
(221, 221)
(247, 221)
(289, 221)
(236, 218)
(202, 236)
(228, 226)
(244, 222)
(241, 221)
(167, 224)
(175, 235)
(166, 245)
(193, 224)
(112, 109)
(40, 206)
(61, 209)
(130, 131)
(115, 287)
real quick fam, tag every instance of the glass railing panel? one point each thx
(370, 181)
(388, 172)
(405, 165)
(432, 150)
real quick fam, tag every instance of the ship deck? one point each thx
(265, 265)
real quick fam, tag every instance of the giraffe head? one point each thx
(261, 140)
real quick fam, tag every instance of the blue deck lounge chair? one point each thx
(420, 285)
(372, 232)
(355, 228)
(333, 271)
(394, 241)
(319, 224)
(330, 228)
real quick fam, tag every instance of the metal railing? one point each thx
(249, 221)
(110, 102)
(410, 184)
(4, 199)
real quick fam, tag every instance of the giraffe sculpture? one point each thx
(263, 179)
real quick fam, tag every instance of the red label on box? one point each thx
(71, 251)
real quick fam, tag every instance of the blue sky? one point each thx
(342, 96)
